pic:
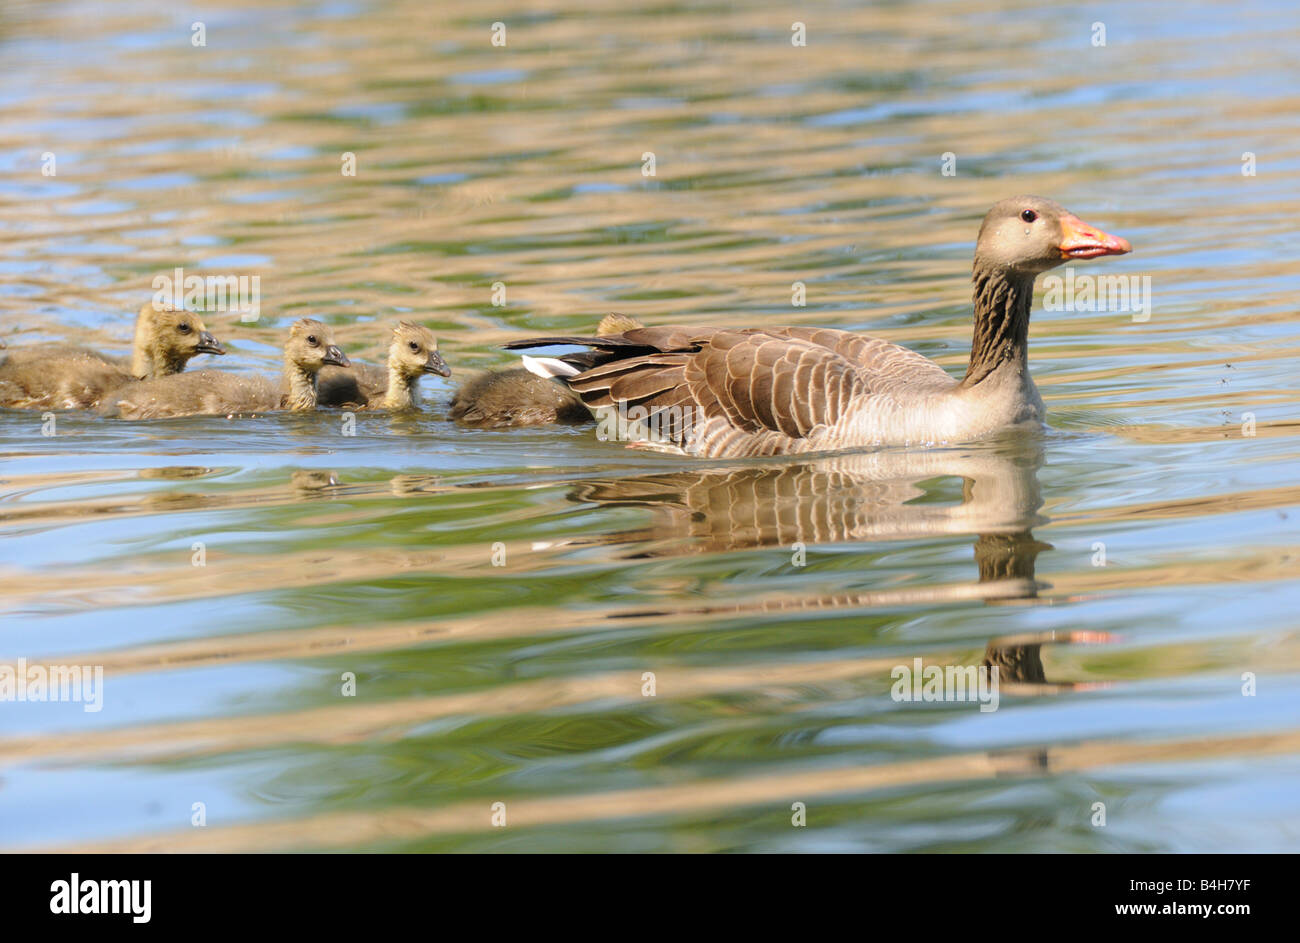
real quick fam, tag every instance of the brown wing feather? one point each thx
(882, 366)
(644, 384)
(597, 385)
(759, 383)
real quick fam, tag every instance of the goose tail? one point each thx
(549, 367)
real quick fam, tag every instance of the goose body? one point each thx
(722, 393)
(735, 393)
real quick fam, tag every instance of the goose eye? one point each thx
(183, 328)
(311, 339)
(1029, 216)
(415, 346)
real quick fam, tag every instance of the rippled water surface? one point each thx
(372, 555)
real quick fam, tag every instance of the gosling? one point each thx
(64, 376)
(412, 354)
(214, 393)
(513, 397)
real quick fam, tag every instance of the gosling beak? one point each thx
(336, 357)
(435, 364)
(209, 344)
(1082, 241)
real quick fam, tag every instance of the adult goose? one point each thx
(412, 353)
(65, 376)
(723, 393)
(309, 347)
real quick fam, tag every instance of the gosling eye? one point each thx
(1029, 216)
(414, 346)
(183, 327)
(311, 339)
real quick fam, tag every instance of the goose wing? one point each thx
(767, 386)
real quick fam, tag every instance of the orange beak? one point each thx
(1081, 241)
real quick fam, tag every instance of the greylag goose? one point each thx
(59, 376)
(412, 354)
(518, 397)
(213, 393)
(719, 392)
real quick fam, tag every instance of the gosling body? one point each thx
(216, 393)
(517, 397)
(61, 376)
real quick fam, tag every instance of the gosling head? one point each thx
(1027, 235)
(311, 346)
(172, 337)
(615, 323)
(414, 352)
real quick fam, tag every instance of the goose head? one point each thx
(311, 346)
(172, 336)
(414, 352)
(1027, 235)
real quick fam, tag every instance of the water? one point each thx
(371, 556)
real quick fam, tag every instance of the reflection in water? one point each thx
(692, 510)
(311, 481)
(880, 496)
(875, 496)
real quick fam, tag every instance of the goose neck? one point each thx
(401, 390)
(1001, 335)
(142, 358)
(301, 384)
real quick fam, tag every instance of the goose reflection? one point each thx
(880, 496)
